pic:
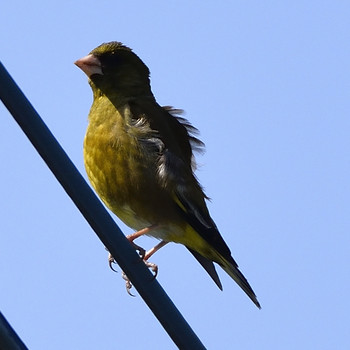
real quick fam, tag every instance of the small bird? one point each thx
(139, 158)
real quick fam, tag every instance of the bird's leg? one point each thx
(131, 239)
(143, 254)
(149, 253)
(152, 266)
(138, 234)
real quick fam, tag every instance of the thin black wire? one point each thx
(96, 215)
(9, 340)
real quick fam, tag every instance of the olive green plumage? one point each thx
(139, 158)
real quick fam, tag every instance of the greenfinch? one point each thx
(139, 158)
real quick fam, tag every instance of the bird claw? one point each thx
(111, 261)
(144, 256)
(153, 267)
(140, 250)
(128, 284)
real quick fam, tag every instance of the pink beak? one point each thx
(90, 65)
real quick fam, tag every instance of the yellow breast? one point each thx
(122, 170)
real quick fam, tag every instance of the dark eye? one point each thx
(110, 59)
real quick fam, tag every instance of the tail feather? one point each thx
(233, 271)
(208, 266)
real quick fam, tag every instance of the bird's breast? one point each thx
(122, 168)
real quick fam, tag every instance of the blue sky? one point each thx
(267, 84)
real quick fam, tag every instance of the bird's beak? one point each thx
(90, 65)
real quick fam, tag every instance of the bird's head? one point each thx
(114, 67)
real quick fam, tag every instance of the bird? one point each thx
(139, 158)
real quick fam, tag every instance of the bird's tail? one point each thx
(232, 270)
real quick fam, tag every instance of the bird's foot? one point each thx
(139, 249)
(143, 255)
(153, 267)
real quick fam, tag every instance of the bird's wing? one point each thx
(173, 139)
(191, 207)
(175, 167)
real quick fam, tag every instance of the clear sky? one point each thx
(267, 84)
